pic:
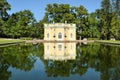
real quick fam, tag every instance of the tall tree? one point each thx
(19, 24)
(105, 15)
(59, 13)
(115, 19)
(82, 21)
(4, 7)
(93, 26)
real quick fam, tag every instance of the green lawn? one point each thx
(108, 41)
(5, 41)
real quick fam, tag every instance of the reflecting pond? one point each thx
(60, 61)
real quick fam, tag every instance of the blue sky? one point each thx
(37, 7)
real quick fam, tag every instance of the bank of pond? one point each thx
(4, 41)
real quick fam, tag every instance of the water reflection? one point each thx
(42, 62)
(16, 56)
(59, 51)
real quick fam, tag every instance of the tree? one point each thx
(19, 24)
(9, 28)
(1, 24)
(82, 21)
(69, 18)
(115, 29)
(60, 13)
(4, 7)
(104, 16)
(93, 31)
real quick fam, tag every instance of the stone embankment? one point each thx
(42, 41)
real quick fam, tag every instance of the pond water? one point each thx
(60, 61)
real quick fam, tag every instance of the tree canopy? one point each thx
(104, 23)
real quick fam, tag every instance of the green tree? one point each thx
(1, 24)
(60, 13)
(4, 7)
(38, 30)
(115, 29)
(10, 28)
(69, 18)
(105, 15)
(82, 21)
(19, 24)
(93, 26)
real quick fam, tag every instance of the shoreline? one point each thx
(53, 41)
(108, 42)
(17, 41)
(4, 41)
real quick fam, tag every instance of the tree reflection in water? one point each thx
(104, 59)
(16, 56)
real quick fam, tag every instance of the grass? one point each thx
(108, 41)
(26, 38)
(7, 41)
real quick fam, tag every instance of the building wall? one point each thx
(67, 31)
(71, 34)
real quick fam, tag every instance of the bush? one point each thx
(93, 38)
(26, 38)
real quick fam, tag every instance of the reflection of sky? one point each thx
(38, 73)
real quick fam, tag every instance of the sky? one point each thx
(37, 7)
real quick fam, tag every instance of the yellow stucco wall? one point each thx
(59, 51)
(65, 29)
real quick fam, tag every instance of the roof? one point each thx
(59, 25)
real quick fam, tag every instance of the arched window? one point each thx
(60, 35)
(47, 35)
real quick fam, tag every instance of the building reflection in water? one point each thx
(59, 51)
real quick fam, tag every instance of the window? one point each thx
(59, 35)
(60, 47)
(47, 35)
(71, 35)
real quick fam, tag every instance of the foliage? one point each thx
(4, 7)
(104, 23)
(20, 57)
(115, 22)
(19, 24)
(108, 17)
(101, 58)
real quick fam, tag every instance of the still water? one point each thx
(60, 61)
